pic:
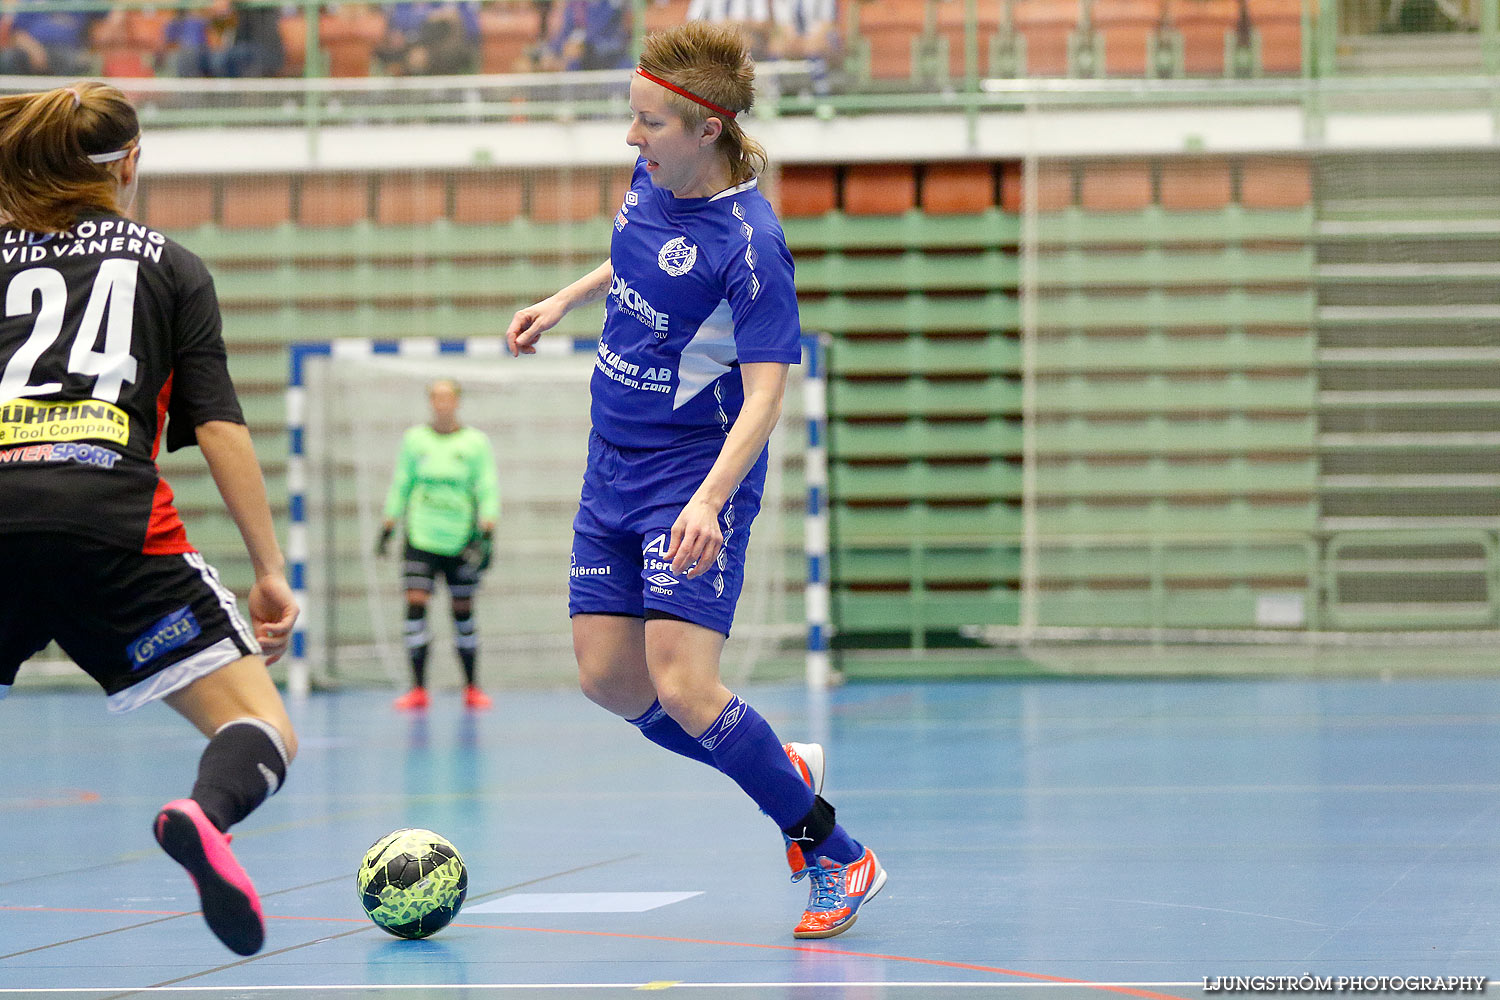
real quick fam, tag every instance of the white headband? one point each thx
(118, 154)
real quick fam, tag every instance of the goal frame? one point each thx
(818, 669)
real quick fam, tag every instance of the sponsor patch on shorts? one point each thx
(177, 629)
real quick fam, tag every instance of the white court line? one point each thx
(659, 984)
(580, 902)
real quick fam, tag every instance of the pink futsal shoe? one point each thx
(477, 699)
(810, 763)
(837, 893)
(230, 904)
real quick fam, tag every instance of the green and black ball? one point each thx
(412, 883)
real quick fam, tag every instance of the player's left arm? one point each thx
(696, 537)
(487, 487)
(227, 448)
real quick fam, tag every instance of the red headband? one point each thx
(710, 105)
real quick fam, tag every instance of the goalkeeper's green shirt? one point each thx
(445, 485)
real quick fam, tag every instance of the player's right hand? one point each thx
(383, 540)
(528, 325)
(273, 612)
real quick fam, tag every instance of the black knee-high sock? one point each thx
(416, 642)
(466, 641)
(245, 762)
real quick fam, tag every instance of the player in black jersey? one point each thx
(110, 339)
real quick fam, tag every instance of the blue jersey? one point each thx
(700, 286)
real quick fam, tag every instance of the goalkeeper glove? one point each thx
(384, 540)
(480, 550)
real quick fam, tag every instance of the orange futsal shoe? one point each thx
(837, 893)
(477, 699)
(810, 762)
(412, 701)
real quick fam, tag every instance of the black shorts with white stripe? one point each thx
(142, 626)
(420, 570)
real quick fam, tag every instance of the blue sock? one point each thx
(840, 847)
(660, 728)
(745, 748)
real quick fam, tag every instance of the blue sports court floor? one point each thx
(1045, 839)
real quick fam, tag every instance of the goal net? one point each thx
(349, 404)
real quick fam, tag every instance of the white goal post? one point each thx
(347, 403)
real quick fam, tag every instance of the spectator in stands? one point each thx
(430, 39)
(36, 44)
(587, 34)
(751, 17)
(187, 42)
(805, 29)
(226, 39)
(252, 41)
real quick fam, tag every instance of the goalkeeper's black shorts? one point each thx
(420, 570)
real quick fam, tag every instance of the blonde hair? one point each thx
(711, 61)
(46, 139)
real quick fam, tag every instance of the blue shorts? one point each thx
(631, 498)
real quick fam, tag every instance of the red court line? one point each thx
(62, 797)
(807, 949)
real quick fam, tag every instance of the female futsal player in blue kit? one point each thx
(700, 326)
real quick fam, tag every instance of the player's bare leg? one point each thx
(683, 660)
(612, 671)
(611, 654)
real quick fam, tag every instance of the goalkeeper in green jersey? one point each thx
(446, 491)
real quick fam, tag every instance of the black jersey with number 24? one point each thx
(109, 335)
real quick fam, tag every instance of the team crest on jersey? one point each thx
(677, 256)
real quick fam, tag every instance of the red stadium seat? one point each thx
(890, 27)
(566, 196)
(1279, 25)
(333, 200)
(1267, 182)
(348, 35)
(616, 183)
(1054, 187)
(880, 189)
(950, 26)
(507, 31)
(413, 199)
(808, 190)
(1046, 26)
(1116, 186)
(1127, 27)
(176, 202)
(293, 28)
(1195, 183)
(486, 197)
(957, 188)
(1204, 26)
(257, 203)
(129, 41)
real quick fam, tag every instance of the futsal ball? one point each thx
(412, 883)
